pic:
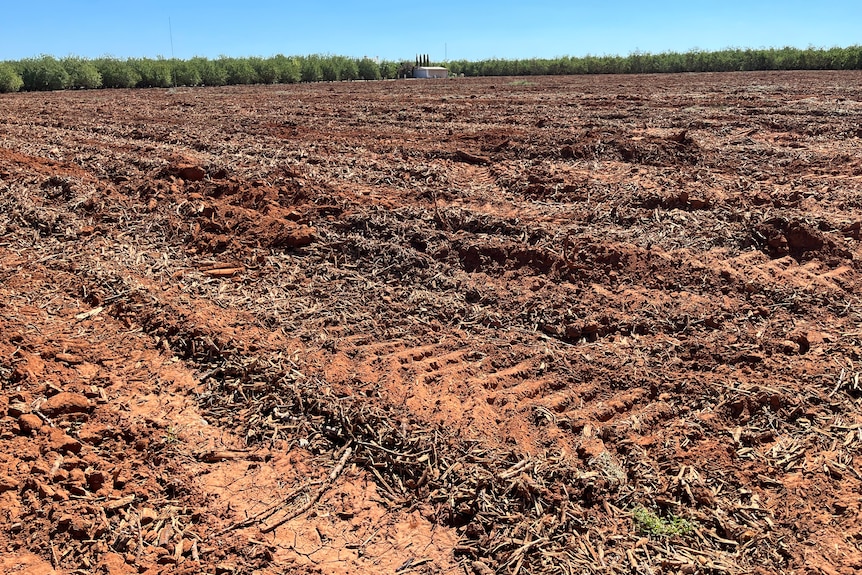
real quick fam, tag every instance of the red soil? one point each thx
(433, 327)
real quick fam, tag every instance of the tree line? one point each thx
(49, 73)
(729, 60)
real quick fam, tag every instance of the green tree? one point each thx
(265, 71)
(289, 71)
(44, 73)
(185, 73)
(153, 73)
(311, 69)
(349, 68)
(405, 69)
(368, 69)
(212, 73)
(388, 70)
(82, 73)
(331, 69)
(239, 71)
(10, 80)
(853, 57)
(116, 73)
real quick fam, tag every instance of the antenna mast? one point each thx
(171, 33)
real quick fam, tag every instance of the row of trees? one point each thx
(729, 60)
(49, 73)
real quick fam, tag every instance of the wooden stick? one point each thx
(333, 475)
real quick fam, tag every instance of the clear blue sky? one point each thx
(457, 29)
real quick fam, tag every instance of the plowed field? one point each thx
(554, 325)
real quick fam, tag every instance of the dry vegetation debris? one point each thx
(581, 325)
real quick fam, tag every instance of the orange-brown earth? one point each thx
(465, 326)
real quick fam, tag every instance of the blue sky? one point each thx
(391, 30)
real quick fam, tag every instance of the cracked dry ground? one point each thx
(468, 326)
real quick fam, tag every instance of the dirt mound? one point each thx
(637, 148)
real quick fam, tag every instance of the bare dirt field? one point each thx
(474, 326)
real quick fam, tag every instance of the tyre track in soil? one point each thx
(125, 273)
(478, 350)
(131, 287)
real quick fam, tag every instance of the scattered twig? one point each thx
(333, 475)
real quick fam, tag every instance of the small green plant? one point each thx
(648, 523)
(172, 436)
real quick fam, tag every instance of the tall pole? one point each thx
(171, 32)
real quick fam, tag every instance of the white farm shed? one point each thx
(430, 72)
